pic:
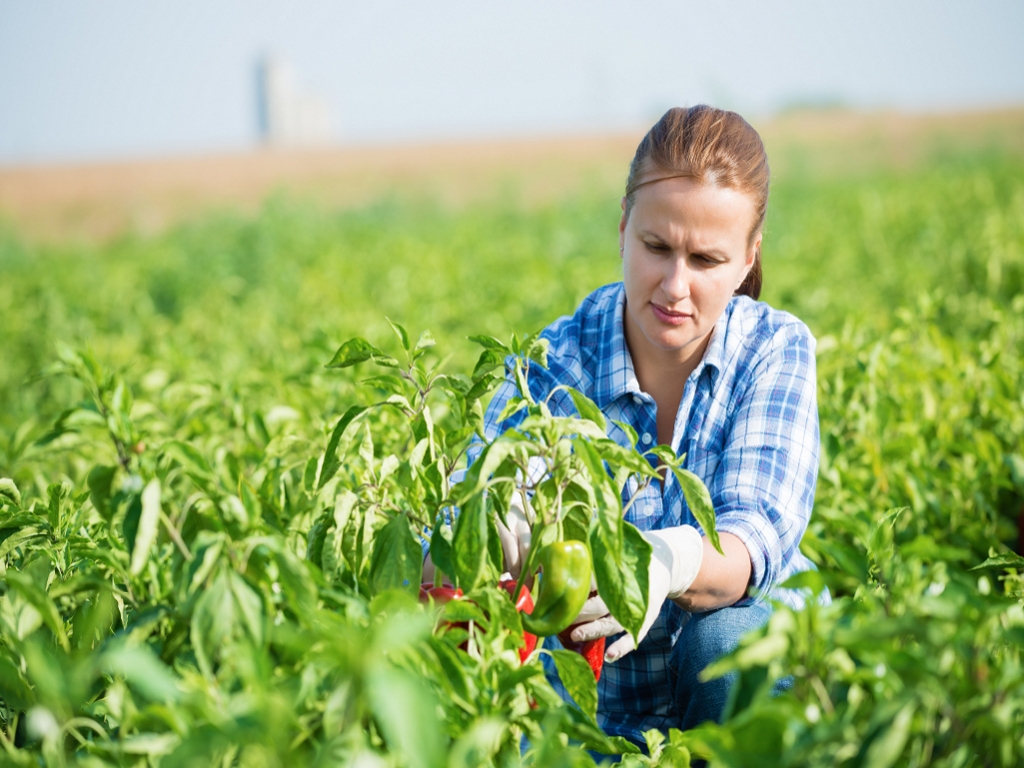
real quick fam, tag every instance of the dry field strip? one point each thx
(101, 200)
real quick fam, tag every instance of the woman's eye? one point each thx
(656, 247)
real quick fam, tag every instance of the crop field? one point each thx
(210, 502)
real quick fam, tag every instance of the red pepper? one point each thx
(441, 595)
(591, 650)
(524, 605)
(447, 593)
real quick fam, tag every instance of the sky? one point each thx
(122, 78)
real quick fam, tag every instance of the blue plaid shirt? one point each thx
(748, 424)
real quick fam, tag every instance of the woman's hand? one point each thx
(676, 555)
(516, 536)
(717, 581)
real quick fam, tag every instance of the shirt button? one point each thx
(648, 510)
(646, 438)
(638, 400)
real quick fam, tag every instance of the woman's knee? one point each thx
(705, 639)
(709, 636)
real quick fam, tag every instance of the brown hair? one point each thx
(713, 146)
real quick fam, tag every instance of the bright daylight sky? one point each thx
(123, 78)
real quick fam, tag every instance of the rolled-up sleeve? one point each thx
(763, 488)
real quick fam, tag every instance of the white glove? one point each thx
(515, 539)
(675, 561)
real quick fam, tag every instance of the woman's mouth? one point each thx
(668, 316)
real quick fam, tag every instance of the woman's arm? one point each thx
(763, 488)
(721, 580)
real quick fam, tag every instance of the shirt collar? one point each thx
(614, 375)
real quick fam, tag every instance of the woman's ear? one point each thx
(752, 252)
(622, 225)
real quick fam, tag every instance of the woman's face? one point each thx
(685, 250)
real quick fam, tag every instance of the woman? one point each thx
(683, 352)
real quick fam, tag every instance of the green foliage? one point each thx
(209, 525)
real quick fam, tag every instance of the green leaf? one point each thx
(188, 456)
(366, 450)
(250, 500)
(194, 464)
(887, 747)
(481, 386)
(130, 524)
(143, 671)
(456, 677)
(578, 679)
(249, 607)
(39, 600)
(587, 408)
(18, 538)
(441, 546)
(400, 332)
(479, 744)
(386, 381)
(535, 348)
(359, 350)
(809, 579)
(576, 523)
(489, 360)
(1005, 560)
(9, 491)
(631, 434)
(489, 342)
(512, 407)
(606, 497)
(469, 544)
(153, 744)
(100, 481)
(316, 537)
(406, 712)
(309, 474)
(397, 561)
(93, 620)
(621, 570)
(495, 553)
(463, 611)
(16, 690)
(425, 342)
(750, 654)
(333, 454)
(213, 621)
(149, 520)
(621, 554)
(492, 457)
(206, 554)
(698, 499)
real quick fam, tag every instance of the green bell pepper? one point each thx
(564, 587)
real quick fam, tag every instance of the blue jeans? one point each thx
(705, 638)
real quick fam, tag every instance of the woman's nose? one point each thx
(676, 282)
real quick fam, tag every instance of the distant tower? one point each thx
(288, 116)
